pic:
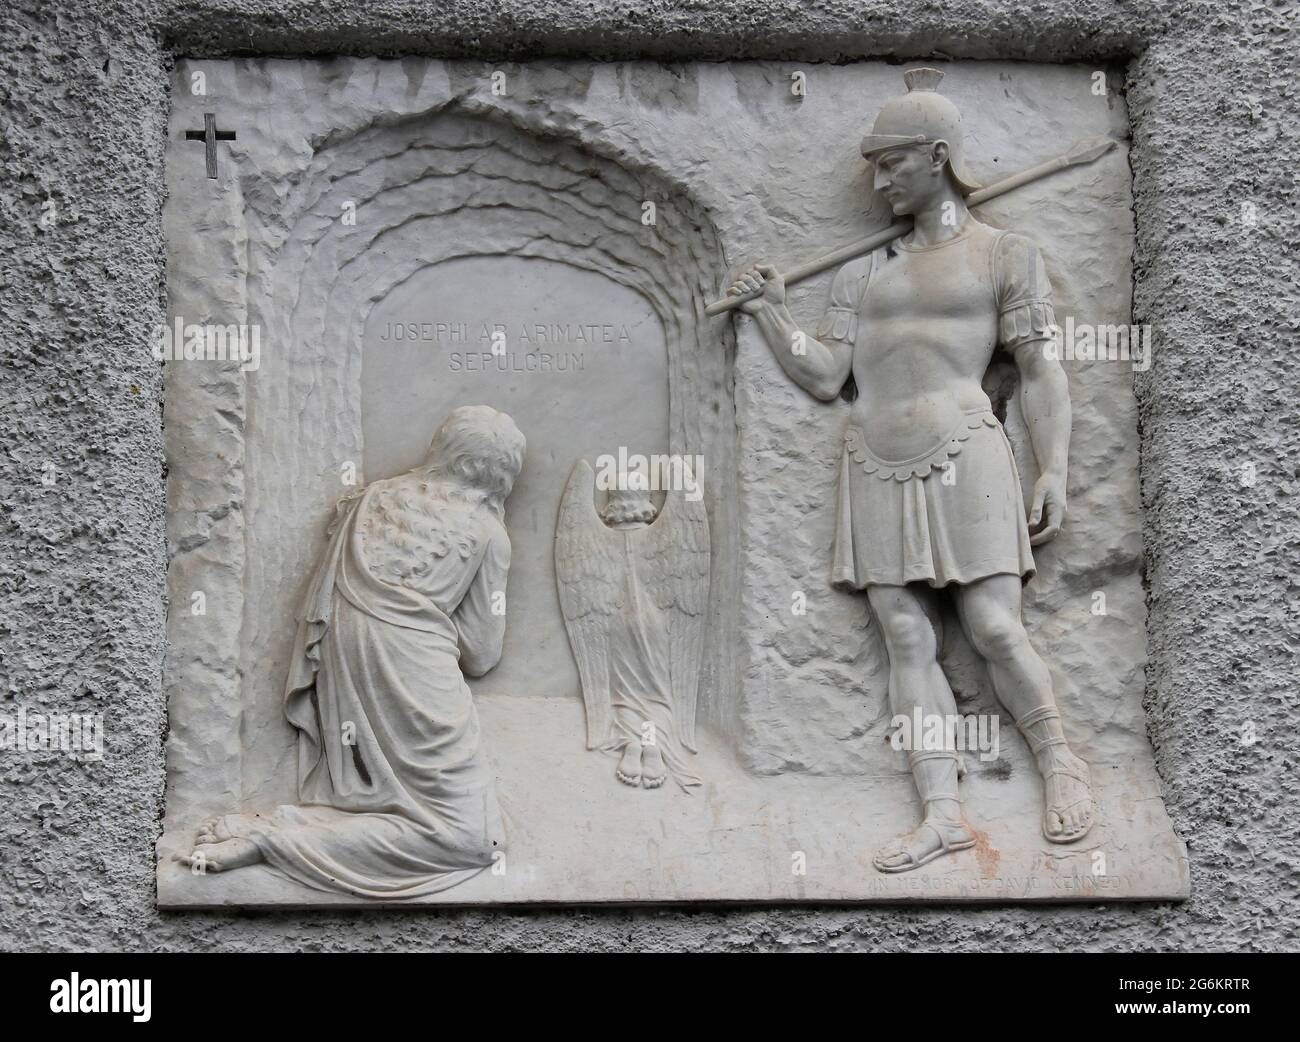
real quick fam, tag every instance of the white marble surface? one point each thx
(557, 170)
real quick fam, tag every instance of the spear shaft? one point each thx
(1082, 152)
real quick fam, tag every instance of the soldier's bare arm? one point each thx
(820, 368)
(1045, 403)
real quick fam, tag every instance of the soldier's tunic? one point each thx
(898, 520)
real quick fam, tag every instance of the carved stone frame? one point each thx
(1167, 282)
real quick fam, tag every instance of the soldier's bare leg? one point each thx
(909, 622)
(990, 613)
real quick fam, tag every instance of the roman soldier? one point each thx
(930, 503)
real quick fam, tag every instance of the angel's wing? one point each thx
(674, 555)
(588, 574)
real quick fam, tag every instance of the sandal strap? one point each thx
(921, 755)
(1069, 771)
(1082, 775)
(945, 838)
(1037, 716)
(1037, 745)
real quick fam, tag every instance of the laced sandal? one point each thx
(1073, 768)
(952, 835)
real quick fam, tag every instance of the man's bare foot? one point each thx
(653, 771)
(629, 767)
(933, 838)
(223, 856)
(1068, 807)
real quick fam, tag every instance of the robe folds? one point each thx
(640, 682)
(396, 796)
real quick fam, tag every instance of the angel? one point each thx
(634, 588)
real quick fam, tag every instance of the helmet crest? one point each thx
(922, 79)
(922, 116)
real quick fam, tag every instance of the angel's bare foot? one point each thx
(933, 838)
(1068, 807)
(629, 767)
(653, 771)
(223, 856)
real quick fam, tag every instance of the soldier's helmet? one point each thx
(922, 116)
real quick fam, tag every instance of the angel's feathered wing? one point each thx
(673, 556)
(588, 574)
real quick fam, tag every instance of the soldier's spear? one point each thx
(1082, 152)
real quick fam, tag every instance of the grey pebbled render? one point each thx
(1212, 102)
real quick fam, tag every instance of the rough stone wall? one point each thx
(1212, 98)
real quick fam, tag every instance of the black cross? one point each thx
(210, 135)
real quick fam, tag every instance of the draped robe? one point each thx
(396, 797)
(640, 677)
